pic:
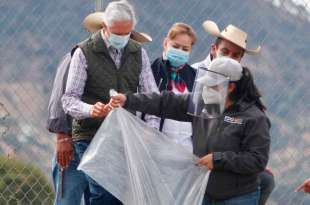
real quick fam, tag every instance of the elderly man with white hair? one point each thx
(108, 60)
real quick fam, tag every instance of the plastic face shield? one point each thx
(209, 93)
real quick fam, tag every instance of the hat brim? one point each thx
(212, 28)
(141, 37)
(93, 23)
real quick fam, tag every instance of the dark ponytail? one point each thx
(246, 90)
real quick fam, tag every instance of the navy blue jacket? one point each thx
(161, 72)
(241, 141)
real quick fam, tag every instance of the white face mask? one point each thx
(219, 54)
(118, 41)
(212, 96)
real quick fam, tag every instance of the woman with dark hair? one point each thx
(239, 149)
(247, 91)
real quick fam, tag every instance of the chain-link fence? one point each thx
(35, 34)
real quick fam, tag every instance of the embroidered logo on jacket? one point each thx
(233, 120)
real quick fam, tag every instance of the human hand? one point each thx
(269, 171)
(118, 100)
(99, 110)
(305, 186)
(64, 150)
(206, 161)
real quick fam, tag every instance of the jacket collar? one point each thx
(240, 106)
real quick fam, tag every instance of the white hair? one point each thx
(119, 11)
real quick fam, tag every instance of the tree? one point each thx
(23, 183)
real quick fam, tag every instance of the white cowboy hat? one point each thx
(93, 23)
(230, 33)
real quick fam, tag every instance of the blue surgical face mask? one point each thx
(177, 57)
(118, 41)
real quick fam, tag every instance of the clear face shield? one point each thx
(209, 93)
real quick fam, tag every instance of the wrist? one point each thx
(217, 158)
(65, 140)
(125, 102)
(87, 110)
(61, 136)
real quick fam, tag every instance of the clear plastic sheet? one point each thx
(141, 166)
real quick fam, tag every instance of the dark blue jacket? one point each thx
(161, 72)
(160, 69)
(241, 142)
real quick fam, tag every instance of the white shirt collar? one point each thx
(105, 39)
(206, 62)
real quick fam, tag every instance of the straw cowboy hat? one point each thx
(93, 22)
(230, 33)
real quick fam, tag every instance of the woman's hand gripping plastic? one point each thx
(117, 99)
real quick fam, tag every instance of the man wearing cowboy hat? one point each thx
(232, 42)
(108, 60)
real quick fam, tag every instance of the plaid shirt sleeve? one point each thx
(71, 100)
(147, 84)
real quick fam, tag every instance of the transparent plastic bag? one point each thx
(141, 166)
